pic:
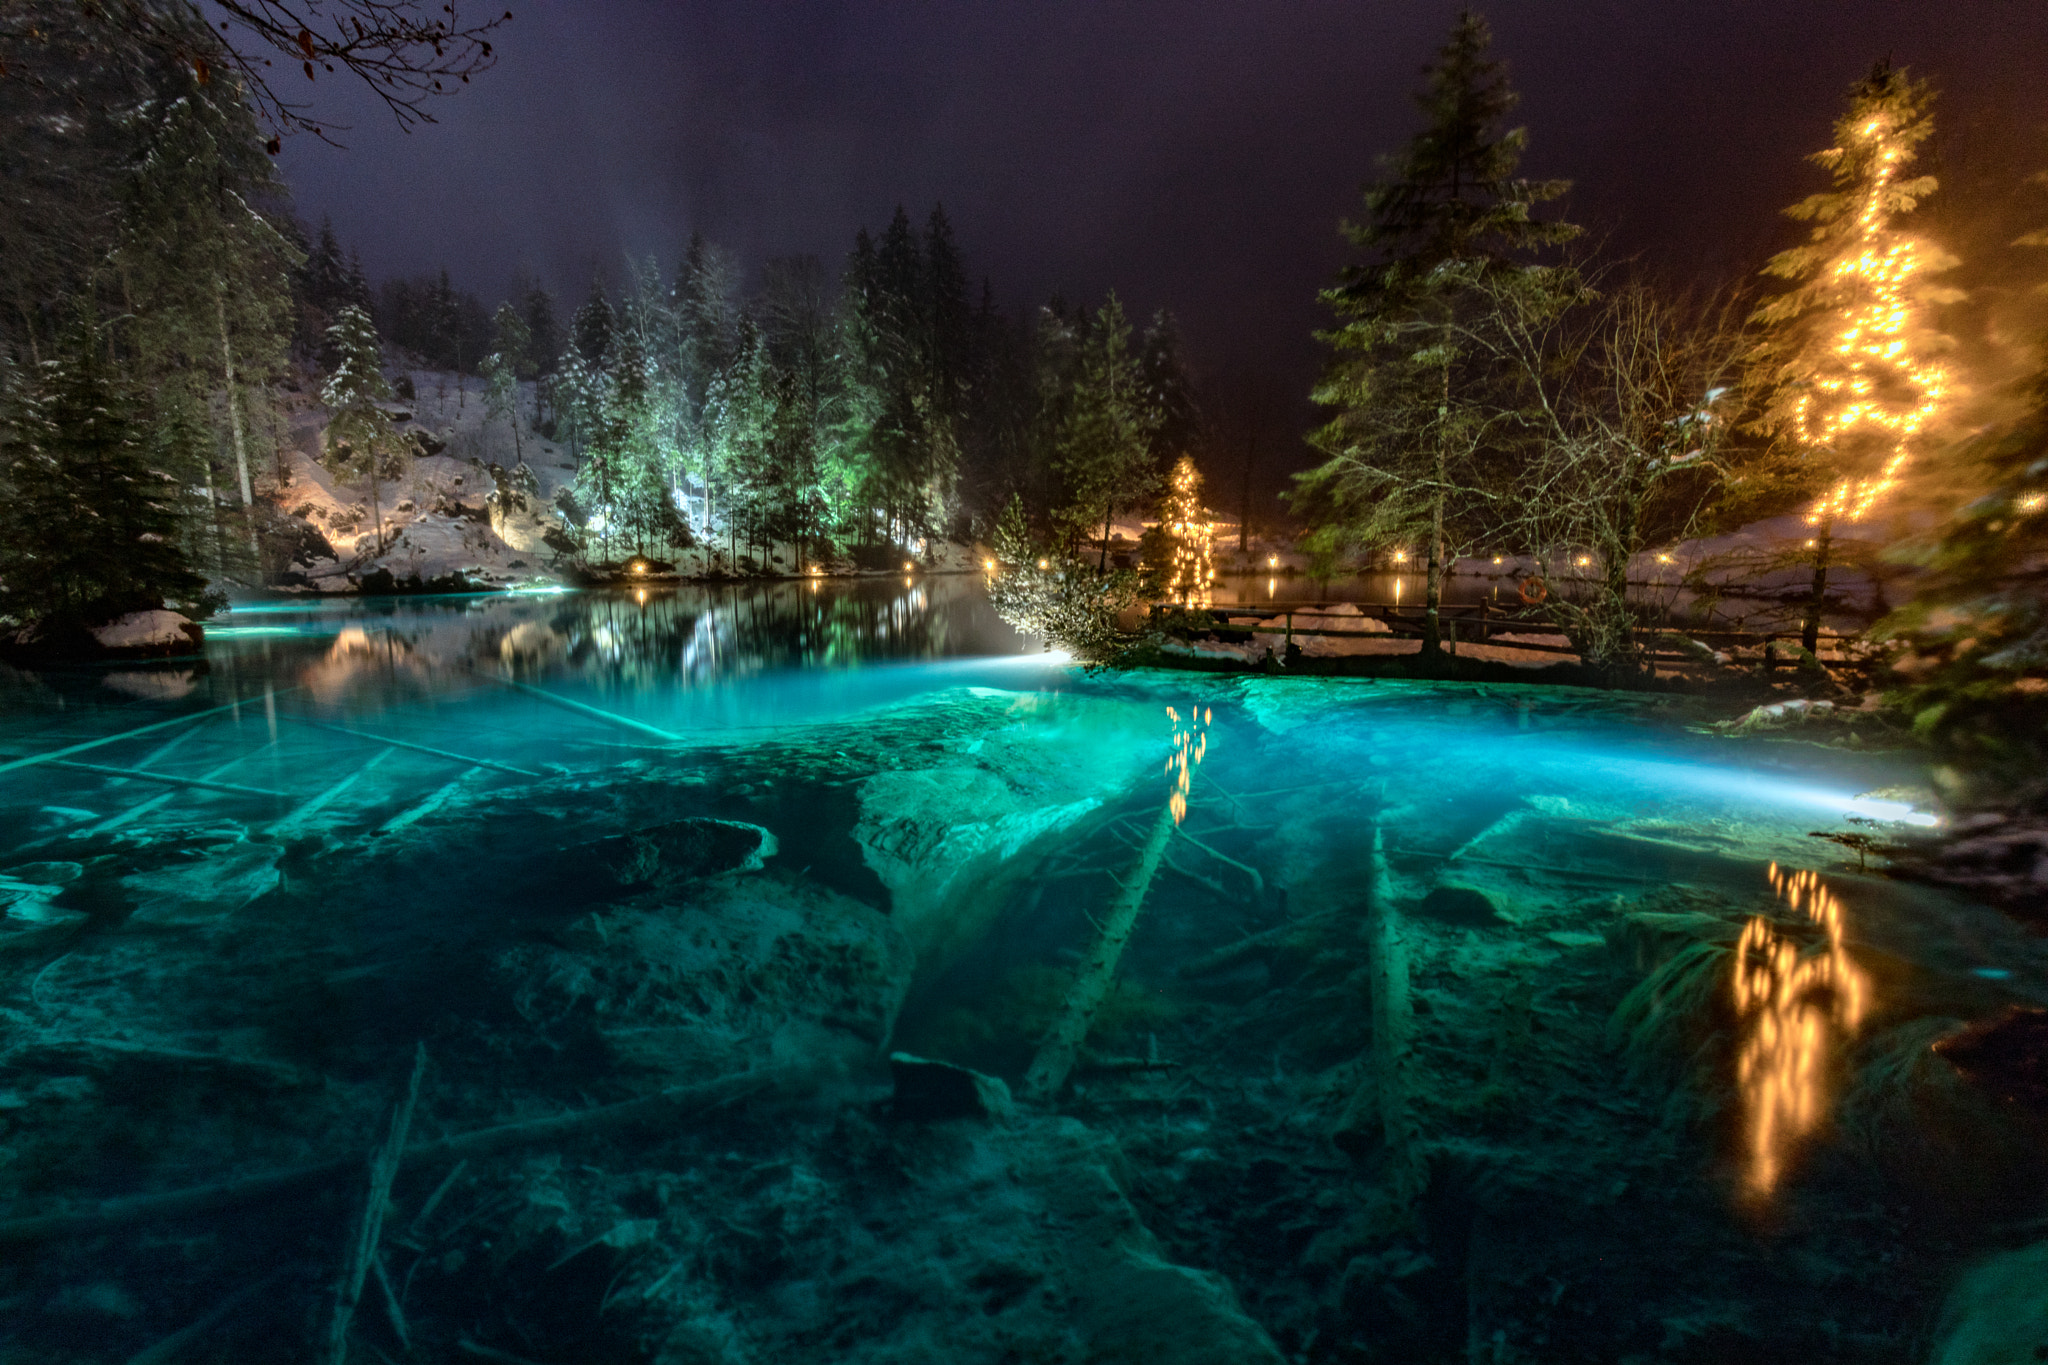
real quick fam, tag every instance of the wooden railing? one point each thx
(1471, 623)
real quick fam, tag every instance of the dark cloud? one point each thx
(1194, 154)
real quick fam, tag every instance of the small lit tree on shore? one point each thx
(1191, 572)
(1850, 357)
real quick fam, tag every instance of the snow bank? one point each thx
(156, 631)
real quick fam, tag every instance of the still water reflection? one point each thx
(597, 852)
(1801, 999)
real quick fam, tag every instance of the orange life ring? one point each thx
(1533, 591)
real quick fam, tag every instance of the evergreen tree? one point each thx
(1851, 357)
(1976, 680)
(1448, 216)
(361, 440)
(90, 528)
(205, 272)
(1191, 573)
(1105, 440)
(594, 324)
(544, 344)
(501, 371)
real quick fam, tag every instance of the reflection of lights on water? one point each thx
(1272, 588)
(640, 594)
(1794, 1003)
(1190, 744)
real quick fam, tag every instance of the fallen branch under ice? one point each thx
(670, 1103)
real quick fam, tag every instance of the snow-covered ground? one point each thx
(438, 522)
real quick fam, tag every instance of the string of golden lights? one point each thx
(1873, 353)
(1192, 579)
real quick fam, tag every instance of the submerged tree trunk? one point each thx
(1097, 973)
(1809, 631)
(1381, 1101)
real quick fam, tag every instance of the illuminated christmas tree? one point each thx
(1192, 570)
(1855, 383)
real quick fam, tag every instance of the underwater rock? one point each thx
(696, 985)
(928, 1091)
(203, 889)
(947, 842)
(683, 849)
(149, 632)
(29, 892)
(1466, 906)
(1997, 1314)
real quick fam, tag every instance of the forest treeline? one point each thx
(868, 407)
(153, 271)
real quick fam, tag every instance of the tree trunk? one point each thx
(227, 363)
(1381, 1101)
(1097, 972)
(1108, 514)
(1809, 632)
(1433, 588)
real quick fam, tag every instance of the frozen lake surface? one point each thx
(1333, 1020)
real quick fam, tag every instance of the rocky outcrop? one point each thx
(144, 633)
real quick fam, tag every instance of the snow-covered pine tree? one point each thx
(1105, 442)
(90, 527)
(1447, 216)
(360, 436)
(206, 273)
(1852, 359)
(509, 344)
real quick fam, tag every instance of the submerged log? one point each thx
(666, 1104)
(1056, 1054)
(1382, 1097)
(369, 1227)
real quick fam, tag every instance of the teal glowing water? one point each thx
(1640, 1034)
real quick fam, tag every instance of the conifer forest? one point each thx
(1199, 683)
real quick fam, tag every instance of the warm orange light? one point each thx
(1400, 556)
(989, 564)
(1877, 386)
(1794, 1005)
(1193, 566)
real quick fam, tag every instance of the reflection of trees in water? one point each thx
(707, 633)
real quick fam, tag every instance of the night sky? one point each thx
(1195, 154)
